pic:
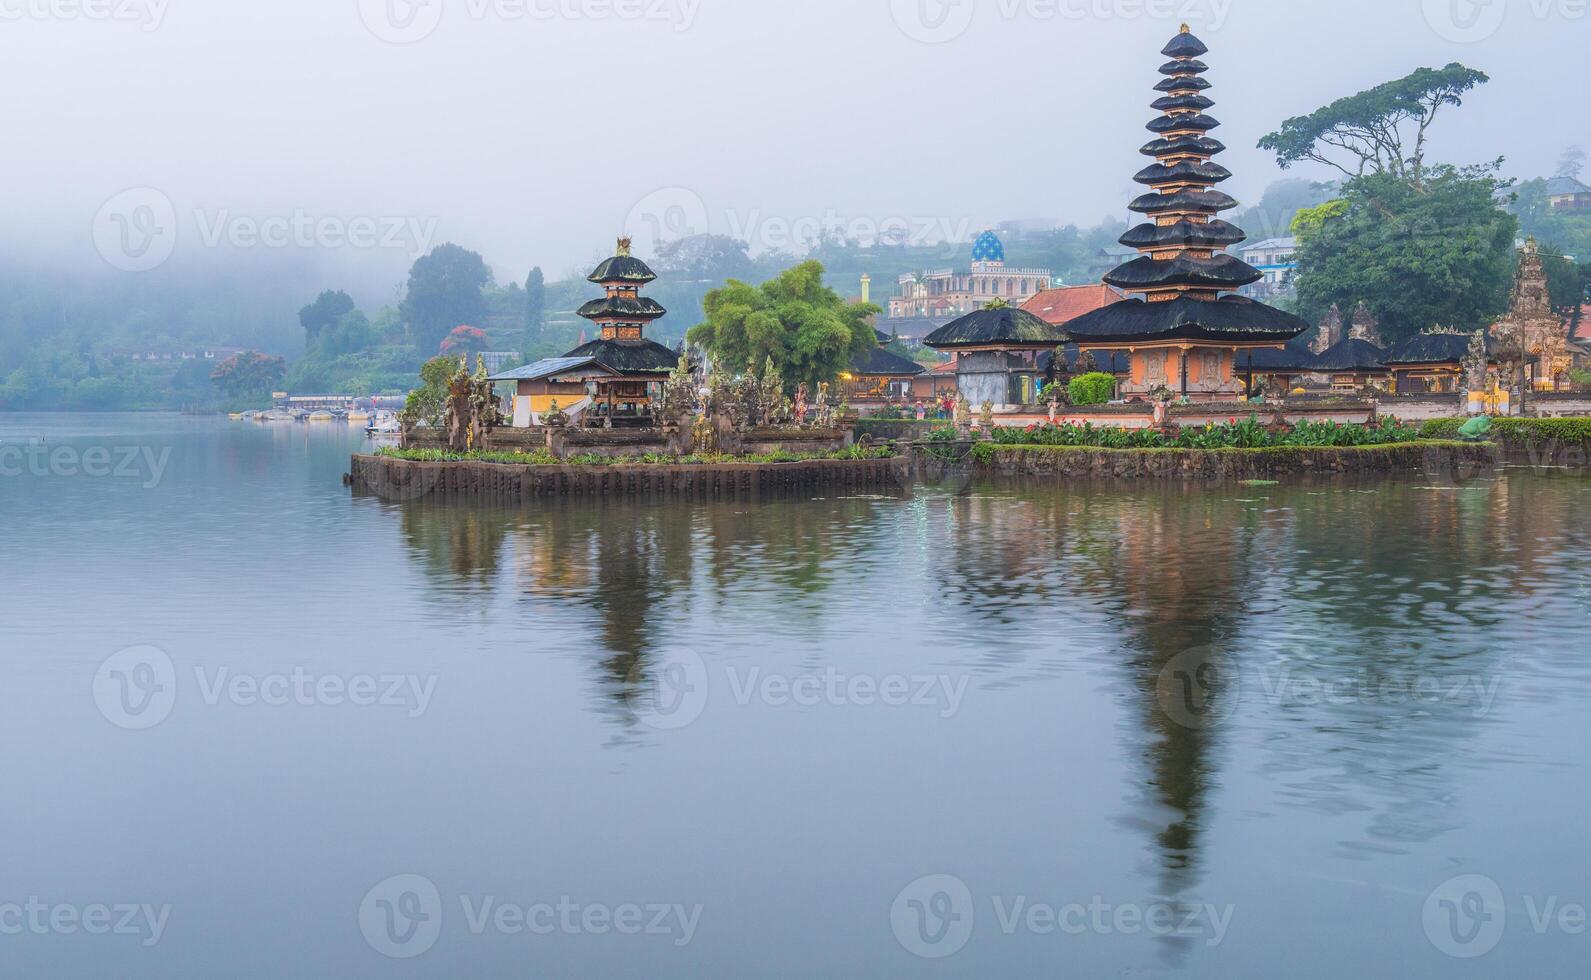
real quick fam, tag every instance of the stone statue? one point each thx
(555, 417)
(801, 404)
(678, 400)
(986, 416)
(472, 409)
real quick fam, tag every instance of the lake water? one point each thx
(252, 725)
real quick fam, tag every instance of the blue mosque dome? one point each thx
(988, 248)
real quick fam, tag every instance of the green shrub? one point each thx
(1092, 389)
(1245, 434)
(1528, 432)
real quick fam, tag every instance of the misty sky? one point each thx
(534, 131)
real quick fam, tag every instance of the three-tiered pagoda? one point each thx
(613, 375)
(1189, 332)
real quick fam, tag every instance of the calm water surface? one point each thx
(1316, 730)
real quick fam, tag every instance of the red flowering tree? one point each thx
(463, 341)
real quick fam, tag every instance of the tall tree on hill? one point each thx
(445, 289)
(321, 315)
(1380, 131)
(1572, 163)
(535, 302)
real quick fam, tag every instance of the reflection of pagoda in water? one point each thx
(1189, 330)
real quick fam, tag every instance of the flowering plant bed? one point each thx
(1249, 433)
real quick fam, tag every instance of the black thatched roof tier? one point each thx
(1211, 234)
(1188, 103)
(1206, 146)
(625, 307)
(1351, 354)
(1209, 202)
(1182, 120)
(630, 356)
(1430, 348)
(1230, 318)
(1185, 45)
(1224, 271)
(1182, 85)
(1294, 357)
(623, 268)
(1191, 67)
(1202, 172)
(1006, 325)
(878, 362)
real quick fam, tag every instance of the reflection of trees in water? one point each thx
(643, 568)
(1402, 596)
(458, 546)
(1381, 582)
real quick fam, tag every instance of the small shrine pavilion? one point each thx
(999, 354)
(612, 378)
(1189, 332)
(1429, 363)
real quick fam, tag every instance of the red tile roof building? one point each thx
(1065, 303)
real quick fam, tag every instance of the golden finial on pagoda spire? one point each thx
(624, 247)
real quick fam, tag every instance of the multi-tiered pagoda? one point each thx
(613, 377)
(1189, 332)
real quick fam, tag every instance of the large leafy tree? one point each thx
(1441, 255)
(1380, 131)
(321, 315)
(811, 333)
(445, 289)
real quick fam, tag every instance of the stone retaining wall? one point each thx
(1056, 462)
(638, 442)
(400, 479)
